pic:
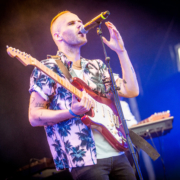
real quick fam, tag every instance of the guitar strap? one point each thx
(135, 138)
(62, 67)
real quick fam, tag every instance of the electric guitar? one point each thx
(103, 116)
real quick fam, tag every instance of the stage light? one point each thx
(177, 50)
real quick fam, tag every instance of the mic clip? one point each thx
(83, 30)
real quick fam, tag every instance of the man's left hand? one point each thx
(116, 43)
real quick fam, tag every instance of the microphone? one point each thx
(94, 22)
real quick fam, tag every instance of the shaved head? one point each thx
(65, 30)
(53, 26)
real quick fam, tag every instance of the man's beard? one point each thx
(72, 40)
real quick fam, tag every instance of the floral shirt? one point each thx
(71, 142)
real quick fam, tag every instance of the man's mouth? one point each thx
(81, 33)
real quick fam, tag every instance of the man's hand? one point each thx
(116, 43)
(83, 106)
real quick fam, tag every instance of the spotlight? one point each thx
(177, 50)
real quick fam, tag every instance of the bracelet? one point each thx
(70, 111)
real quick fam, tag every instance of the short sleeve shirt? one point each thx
(71, 142)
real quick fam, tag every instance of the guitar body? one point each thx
(103, 117)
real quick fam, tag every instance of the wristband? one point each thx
(70, 111)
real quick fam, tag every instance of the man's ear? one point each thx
(57, 36)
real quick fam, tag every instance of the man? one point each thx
(74, 145)
(131, 120)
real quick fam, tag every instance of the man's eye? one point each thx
(71, 23)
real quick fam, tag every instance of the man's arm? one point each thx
(128, 84)
(39, 115)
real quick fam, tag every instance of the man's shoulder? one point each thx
(93, 61)
(48, 61)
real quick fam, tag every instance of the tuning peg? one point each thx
(168, 111)
(7, 46)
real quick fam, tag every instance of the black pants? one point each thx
(113, 168)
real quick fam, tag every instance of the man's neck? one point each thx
(73, 54)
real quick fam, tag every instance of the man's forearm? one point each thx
(45, 117)
(129, 76)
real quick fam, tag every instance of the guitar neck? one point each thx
(56, 78)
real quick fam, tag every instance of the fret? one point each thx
(61, 81)
(68, 85)
(77, 93)
(40, 64)
(43, 68)
(80, 93)
(55, 76)
(73, 89)
(47, 69)
(33, 61)
(49, 72)
(65, 84)
(37, 63)
(58, 79)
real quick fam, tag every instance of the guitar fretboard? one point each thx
(65, 83)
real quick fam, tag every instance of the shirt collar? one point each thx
(64, 59)
(69, 63)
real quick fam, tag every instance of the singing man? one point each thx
(74, 145)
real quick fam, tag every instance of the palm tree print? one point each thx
(77, 155)
(60, 154)
(39, 78)
(49, 131)
(61, 92)
(68, 99)
(54, 104)
(77, 122)
(59, 164)
(64, 128)
(86, 140)
(68, 148)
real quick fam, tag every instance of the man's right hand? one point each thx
(83, 106)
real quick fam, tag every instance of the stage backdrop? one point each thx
(150, 31)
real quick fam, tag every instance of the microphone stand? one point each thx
(114, 89)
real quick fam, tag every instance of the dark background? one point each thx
(150, 30)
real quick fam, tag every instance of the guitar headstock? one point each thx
(23, 57)
(158, 116)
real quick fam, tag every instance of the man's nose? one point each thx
(79, 25)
